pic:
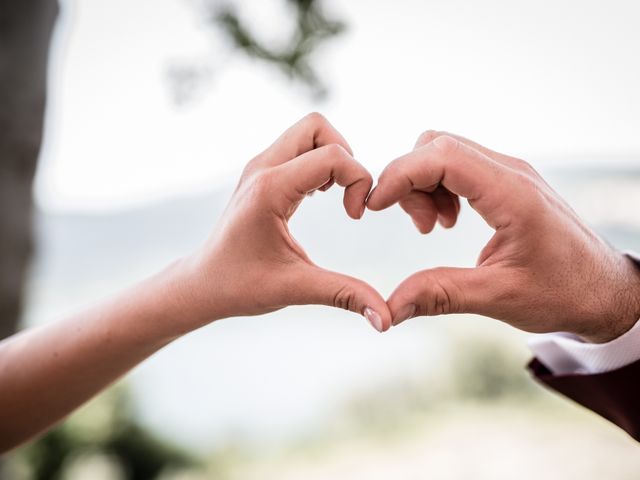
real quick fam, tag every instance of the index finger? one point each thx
(488, 185)
(312, 131)
(310, 171)
(513, 162)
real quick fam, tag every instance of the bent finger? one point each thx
(490, 187)
(422, 210)
(507, 160)
(447, 206)
(311, 132)
(312, 170)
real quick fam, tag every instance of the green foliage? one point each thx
(478, 370)
(105, 427)
(313, 27)
(488, 370)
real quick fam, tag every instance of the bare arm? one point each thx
(250, 265)
(46, 372)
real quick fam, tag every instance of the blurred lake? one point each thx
(268, 379)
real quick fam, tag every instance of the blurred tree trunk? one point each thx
(25, 31)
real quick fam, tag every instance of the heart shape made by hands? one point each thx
(520, 274)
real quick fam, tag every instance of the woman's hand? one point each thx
(251, 264)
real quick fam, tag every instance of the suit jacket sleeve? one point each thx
(605, 379)
(615, 395)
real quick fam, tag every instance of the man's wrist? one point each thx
(625, 310)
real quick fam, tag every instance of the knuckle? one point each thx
(392, 170)
(530, 198)
(262, 182)
(315, 119)
(446, 144)
(525, 166)
(528, 185)
(334, 150)
(250, 168)
(384, 178)
(395, 170)
(345, 298)
(427, 137)
(441, 297)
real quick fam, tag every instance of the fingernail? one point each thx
(405, 313)
(374, 318)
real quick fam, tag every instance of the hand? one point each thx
(252, 264)
(543, 270)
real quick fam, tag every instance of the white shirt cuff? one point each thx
(564, 353)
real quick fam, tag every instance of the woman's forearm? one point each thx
(47, 372)
(250, 265)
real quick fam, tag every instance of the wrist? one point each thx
(149, 315)
(170, 303)
(189, 301)
(625, 304)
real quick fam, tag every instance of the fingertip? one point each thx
(382, 320)
(423, 226)
(447, 207)
(421, 209)
(446, 221)
(355, 197)
(404, 313)
(426, 137)
(353, 207)
(370, 195)
(374, 202)
(374, 318)
(393, 184)
(377, 314)
(386, 318)
(445, 143)
(424, 229)
(402, 302)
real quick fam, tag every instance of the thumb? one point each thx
(324, 287)
(445, 290)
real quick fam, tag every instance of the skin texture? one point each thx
(543, 270)
(250, 265)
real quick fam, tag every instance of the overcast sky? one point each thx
(551, 81)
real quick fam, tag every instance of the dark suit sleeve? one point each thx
(615, 395)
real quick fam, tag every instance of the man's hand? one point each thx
(543, 270)
(252, 264)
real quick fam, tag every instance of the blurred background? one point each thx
(152, 109)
